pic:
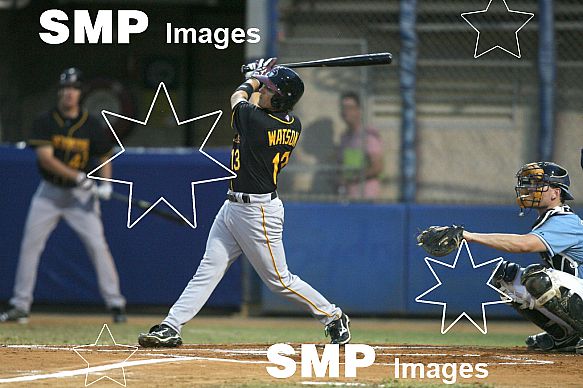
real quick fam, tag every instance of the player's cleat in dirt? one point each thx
(545, 342)
(339, 330)
(160, 336)
(118, 315)
(579, 347)
(14, 314)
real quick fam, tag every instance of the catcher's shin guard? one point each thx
(560, 301)
(554, 337)
(540, 320)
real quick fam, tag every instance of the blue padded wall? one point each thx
(155, 259)
(352, 254)
(362, 257)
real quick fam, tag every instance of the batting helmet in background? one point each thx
(71, 77)
(287, 85)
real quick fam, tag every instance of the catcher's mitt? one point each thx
(440, 240)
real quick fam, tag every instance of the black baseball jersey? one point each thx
(262, 147)
(76, 142)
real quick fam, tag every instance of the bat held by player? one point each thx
(146, 205)
(350, 60)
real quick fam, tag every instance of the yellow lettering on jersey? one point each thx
(70, 143)
(294, 138)
(283, 136)
(271, 136)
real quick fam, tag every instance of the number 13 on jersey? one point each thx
(235, 159)
(279, 162)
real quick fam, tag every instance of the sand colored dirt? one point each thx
(220, 365)
(230, 364)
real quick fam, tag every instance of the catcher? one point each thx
(550, 294)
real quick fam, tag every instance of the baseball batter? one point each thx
(251, 219)
(550, 295)
(67, 141)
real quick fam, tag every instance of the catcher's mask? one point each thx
(287, 85)
(533, 179)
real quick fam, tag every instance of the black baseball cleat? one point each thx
(339, 330)
(546, 342)
(160, 336)
(118, 315)
(579, 347)
(14, 314)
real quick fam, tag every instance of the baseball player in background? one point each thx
(549, 295)
(67, 141)
(251, 219)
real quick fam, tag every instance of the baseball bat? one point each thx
(146, 205)
(350, 60)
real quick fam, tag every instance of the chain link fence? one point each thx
(477, 118)
(569, 105)
(332, 163)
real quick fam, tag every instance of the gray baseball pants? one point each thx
(254, 229)
(81, 211)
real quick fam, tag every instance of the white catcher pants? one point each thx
(518, 293)
(254, 229)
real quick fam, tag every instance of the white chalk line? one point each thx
(510, 360)
(429, 354)
(339, 384)
(101, 368)
(521, 360)
(94, 369)
(403, 347)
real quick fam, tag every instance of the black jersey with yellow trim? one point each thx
(262, 147)
(76, 142)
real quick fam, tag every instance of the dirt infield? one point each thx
(224, 360)
(220, 365)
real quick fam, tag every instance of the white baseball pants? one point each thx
(256, 230)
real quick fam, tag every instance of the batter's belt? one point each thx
(250, 198)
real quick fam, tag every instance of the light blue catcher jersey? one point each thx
(561, 231)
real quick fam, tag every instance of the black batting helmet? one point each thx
(287, 85)
(71, 77)
(535, 178)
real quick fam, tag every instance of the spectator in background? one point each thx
(361, 153)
